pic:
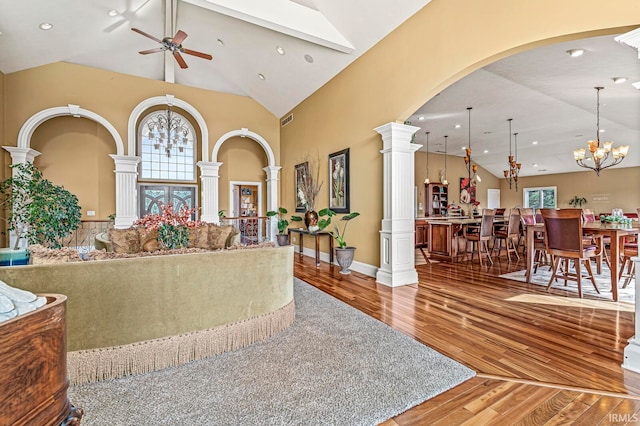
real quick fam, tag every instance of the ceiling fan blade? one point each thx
(180, 60)
(146, 52)
(179, 37)
(198, 54)
(146, 35)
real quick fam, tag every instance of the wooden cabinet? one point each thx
(436, 199)
(422, 233)
(33, 367)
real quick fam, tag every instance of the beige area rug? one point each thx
(603, 281)
(333, 366)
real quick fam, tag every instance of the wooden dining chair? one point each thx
(588, 216)
(563, 240)
(630, 250)
(510, 236)
(528, 217)
(480, 240)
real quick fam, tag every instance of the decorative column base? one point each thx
(397, 268)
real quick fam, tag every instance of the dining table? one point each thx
(616, 232)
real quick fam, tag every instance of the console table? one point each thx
(315, 235)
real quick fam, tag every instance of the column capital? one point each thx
(21, 155)
(126, 163)
(272, 172)
(209, 168)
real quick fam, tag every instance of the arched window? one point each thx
(167, 146)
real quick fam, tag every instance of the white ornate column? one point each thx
(209, 181)
(272, 199)
(19, 156)
(632, 350)
(126, 191)
(397, 237)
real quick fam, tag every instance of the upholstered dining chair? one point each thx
(480, 240)
(510, 236)
(528, 217)
(564, 242)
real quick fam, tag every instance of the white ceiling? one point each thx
(551, 98)
(548, 94)
(85, 34)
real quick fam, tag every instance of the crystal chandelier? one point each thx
(426, 179)
(167, 131)
(511, 174)
(471, 168)
(600, 154)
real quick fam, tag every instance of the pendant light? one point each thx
(426, 179)
(511, 174)
(444, 181)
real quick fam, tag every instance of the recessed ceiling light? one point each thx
(602, 130)
(45, 26)
(308, 58)
(636, 85)
(486, 151)
(420, 118)
(113, 12)
(220, 42)
(535, 164)
(618, 80)
(463, 148)
(280, 50)
(574, 53)
(261, 77)
(458, 126)
(534, 143)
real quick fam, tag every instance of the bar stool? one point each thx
(480, 240)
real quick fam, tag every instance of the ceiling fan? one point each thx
(174, 45)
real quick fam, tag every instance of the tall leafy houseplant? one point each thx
(37, 209)
(344, 253)
(283, 239)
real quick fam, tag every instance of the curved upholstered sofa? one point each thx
(128, 316)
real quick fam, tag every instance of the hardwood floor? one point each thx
(540, 357)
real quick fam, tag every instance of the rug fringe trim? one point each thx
(92, 365)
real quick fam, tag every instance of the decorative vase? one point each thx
(344, 257)
(283, 239)
(311, 220)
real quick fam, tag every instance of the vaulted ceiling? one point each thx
(279, 52)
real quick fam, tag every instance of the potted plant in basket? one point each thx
(36, 210)
(283, 223)
(344, 253)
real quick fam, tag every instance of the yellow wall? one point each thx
(2, 119)
(455, 170)
(75, 151)
(440, 44)
(615, 188)
(251, 157)
(86, 145)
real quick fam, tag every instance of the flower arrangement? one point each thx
(172, 226)
(309, 183)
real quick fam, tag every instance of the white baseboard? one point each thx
(363, 268)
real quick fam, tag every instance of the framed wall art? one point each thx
(301, 170)
(339, 181)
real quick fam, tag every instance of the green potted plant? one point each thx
(36, 209)
(344, 253)
(283, 223)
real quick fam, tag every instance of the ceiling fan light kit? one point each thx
(600, 153)
(174, 45)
